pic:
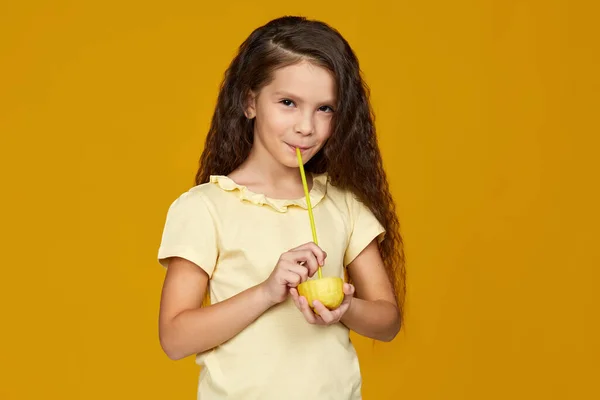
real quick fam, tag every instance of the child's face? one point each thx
(294, 110)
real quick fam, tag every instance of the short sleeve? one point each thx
(364, 228)
(189, 232)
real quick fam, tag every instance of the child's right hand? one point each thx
(293, 267)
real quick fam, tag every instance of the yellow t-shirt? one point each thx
(237, 236)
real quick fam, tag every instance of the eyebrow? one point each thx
(287, 94)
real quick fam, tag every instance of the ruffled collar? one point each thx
(317, 193)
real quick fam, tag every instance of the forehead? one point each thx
(305, 80)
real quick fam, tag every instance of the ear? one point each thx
(250, 111)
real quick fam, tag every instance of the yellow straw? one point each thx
(306, 194)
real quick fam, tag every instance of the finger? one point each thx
(306, 311)
(348, 289)
(291, 279)
(348, 294)
(295, 297)
(302, 271)
(318, 252)
(315, 249)
(327, 316)
(310, 261)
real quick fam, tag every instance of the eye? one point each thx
(326, 109)
(287, 102)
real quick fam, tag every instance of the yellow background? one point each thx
(488, 119)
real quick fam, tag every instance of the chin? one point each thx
(290, 162)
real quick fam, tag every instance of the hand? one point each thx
(293, 267)
(324, 316)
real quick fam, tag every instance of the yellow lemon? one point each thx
(329, 291)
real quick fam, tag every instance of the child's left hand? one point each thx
(325, 316)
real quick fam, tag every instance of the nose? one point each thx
(305, 124)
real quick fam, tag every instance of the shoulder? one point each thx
(199, 196)
(206, 191)
(342, 196)
(349, 203)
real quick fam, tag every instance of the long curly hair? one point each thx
(351, 155)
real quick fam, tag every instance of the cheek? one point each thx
(324, 128)
(273, 122)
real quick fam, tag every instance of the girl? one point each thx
(243, 234)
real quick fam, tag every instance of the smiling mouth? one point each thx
(300, 147)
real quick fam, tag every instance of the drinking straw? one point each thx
(306, 194)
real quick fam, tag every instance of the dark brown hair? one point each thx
(351, 156)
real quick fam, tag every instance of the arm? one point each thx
(185, 328)
(373, 312)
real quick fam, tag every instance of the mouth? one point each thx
(302, 148)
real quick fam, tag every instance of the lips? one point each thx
(302, 148)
